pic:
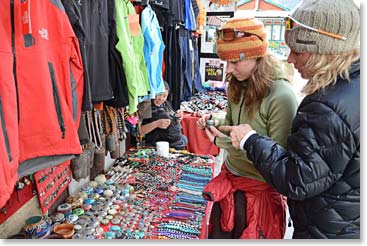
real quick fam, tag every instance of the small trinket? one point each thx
(112, 211)
(108, 193)
(105, 221)
(210, 123)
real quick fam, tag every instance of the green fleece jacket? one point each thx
(130, 45)
(274, 119)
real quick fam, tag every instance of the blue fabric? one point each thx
(184, 140)
(186, 65)
(190, 22)
(153, 50)
(197, 77)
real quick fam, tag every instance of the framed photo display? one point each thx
(213, 73)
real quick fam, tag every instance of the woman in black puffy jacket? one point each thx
(319, 171)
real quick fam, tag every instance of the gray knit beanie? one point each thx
(340, 17)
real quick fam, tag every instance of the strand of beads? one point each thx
(174, 235)
(203, 171)
(194, 179)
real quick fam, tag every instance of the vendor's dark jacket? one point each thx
(172, 134)
(320, 170)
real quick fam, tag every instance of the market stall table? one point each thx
(201, 103)
(145, 196)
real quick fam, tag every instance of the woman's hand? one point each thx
(212, 132)
(237, 133)
(202, 121)
(179, 114)
(163, 123)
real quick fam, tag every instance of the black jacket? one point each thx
(94, 18)
(117, 74)
(72, 9)
(320, 171)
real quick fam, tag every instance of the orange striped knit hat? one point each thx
(245, 46)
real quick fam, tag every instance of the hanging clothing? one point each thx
(49, 77)
(153, 50)
(94, 16)
(177, 10)
(174, 75)
(9, 144)
(196, 66)
(130, 46)
(186, 69)
(170, 21)
(73, 10)
(195, 8)
(190, 20)
(162, 11)
(164, 4)
(117, 73)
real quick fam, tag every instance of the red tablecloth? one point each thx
(198, 141)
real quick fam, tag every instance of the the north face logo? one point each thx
(44, 33)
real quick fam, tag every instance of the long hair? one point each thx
(324, 70)
(259, 83)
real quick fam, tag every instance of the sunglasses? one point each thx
(230, 34)
(291, 23)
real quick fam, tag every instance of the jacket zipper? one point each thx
(99, 7)
(14, 55)
(261, 234)
(56, 99)
(239, 115)
(5, 133)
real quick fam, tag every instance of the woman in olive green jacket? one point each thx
(260, 95)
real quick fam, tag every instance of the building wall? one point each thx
(267, 6)
(262, 6)
(250, 5)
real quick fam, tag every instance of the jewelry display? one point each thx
(142, 196)
(50, 183)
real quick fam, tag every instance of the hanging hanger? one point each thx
(144, 3)
(158, 3)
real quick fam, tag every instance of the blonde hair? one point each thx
(259, 83)
(325, 69)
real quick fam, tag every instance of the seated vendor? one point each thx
(164, 124)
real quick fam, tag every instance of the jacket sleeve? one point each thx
(281, 109)
(72, 9)
(225, 142)
(228, 119)
(72, 64)
(319, 149)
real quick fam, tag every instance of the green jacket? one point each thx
(130, 47)
(274, 119)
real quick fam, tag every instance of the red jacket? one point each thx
(48, 75)
(265, 207)
(9, 150)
